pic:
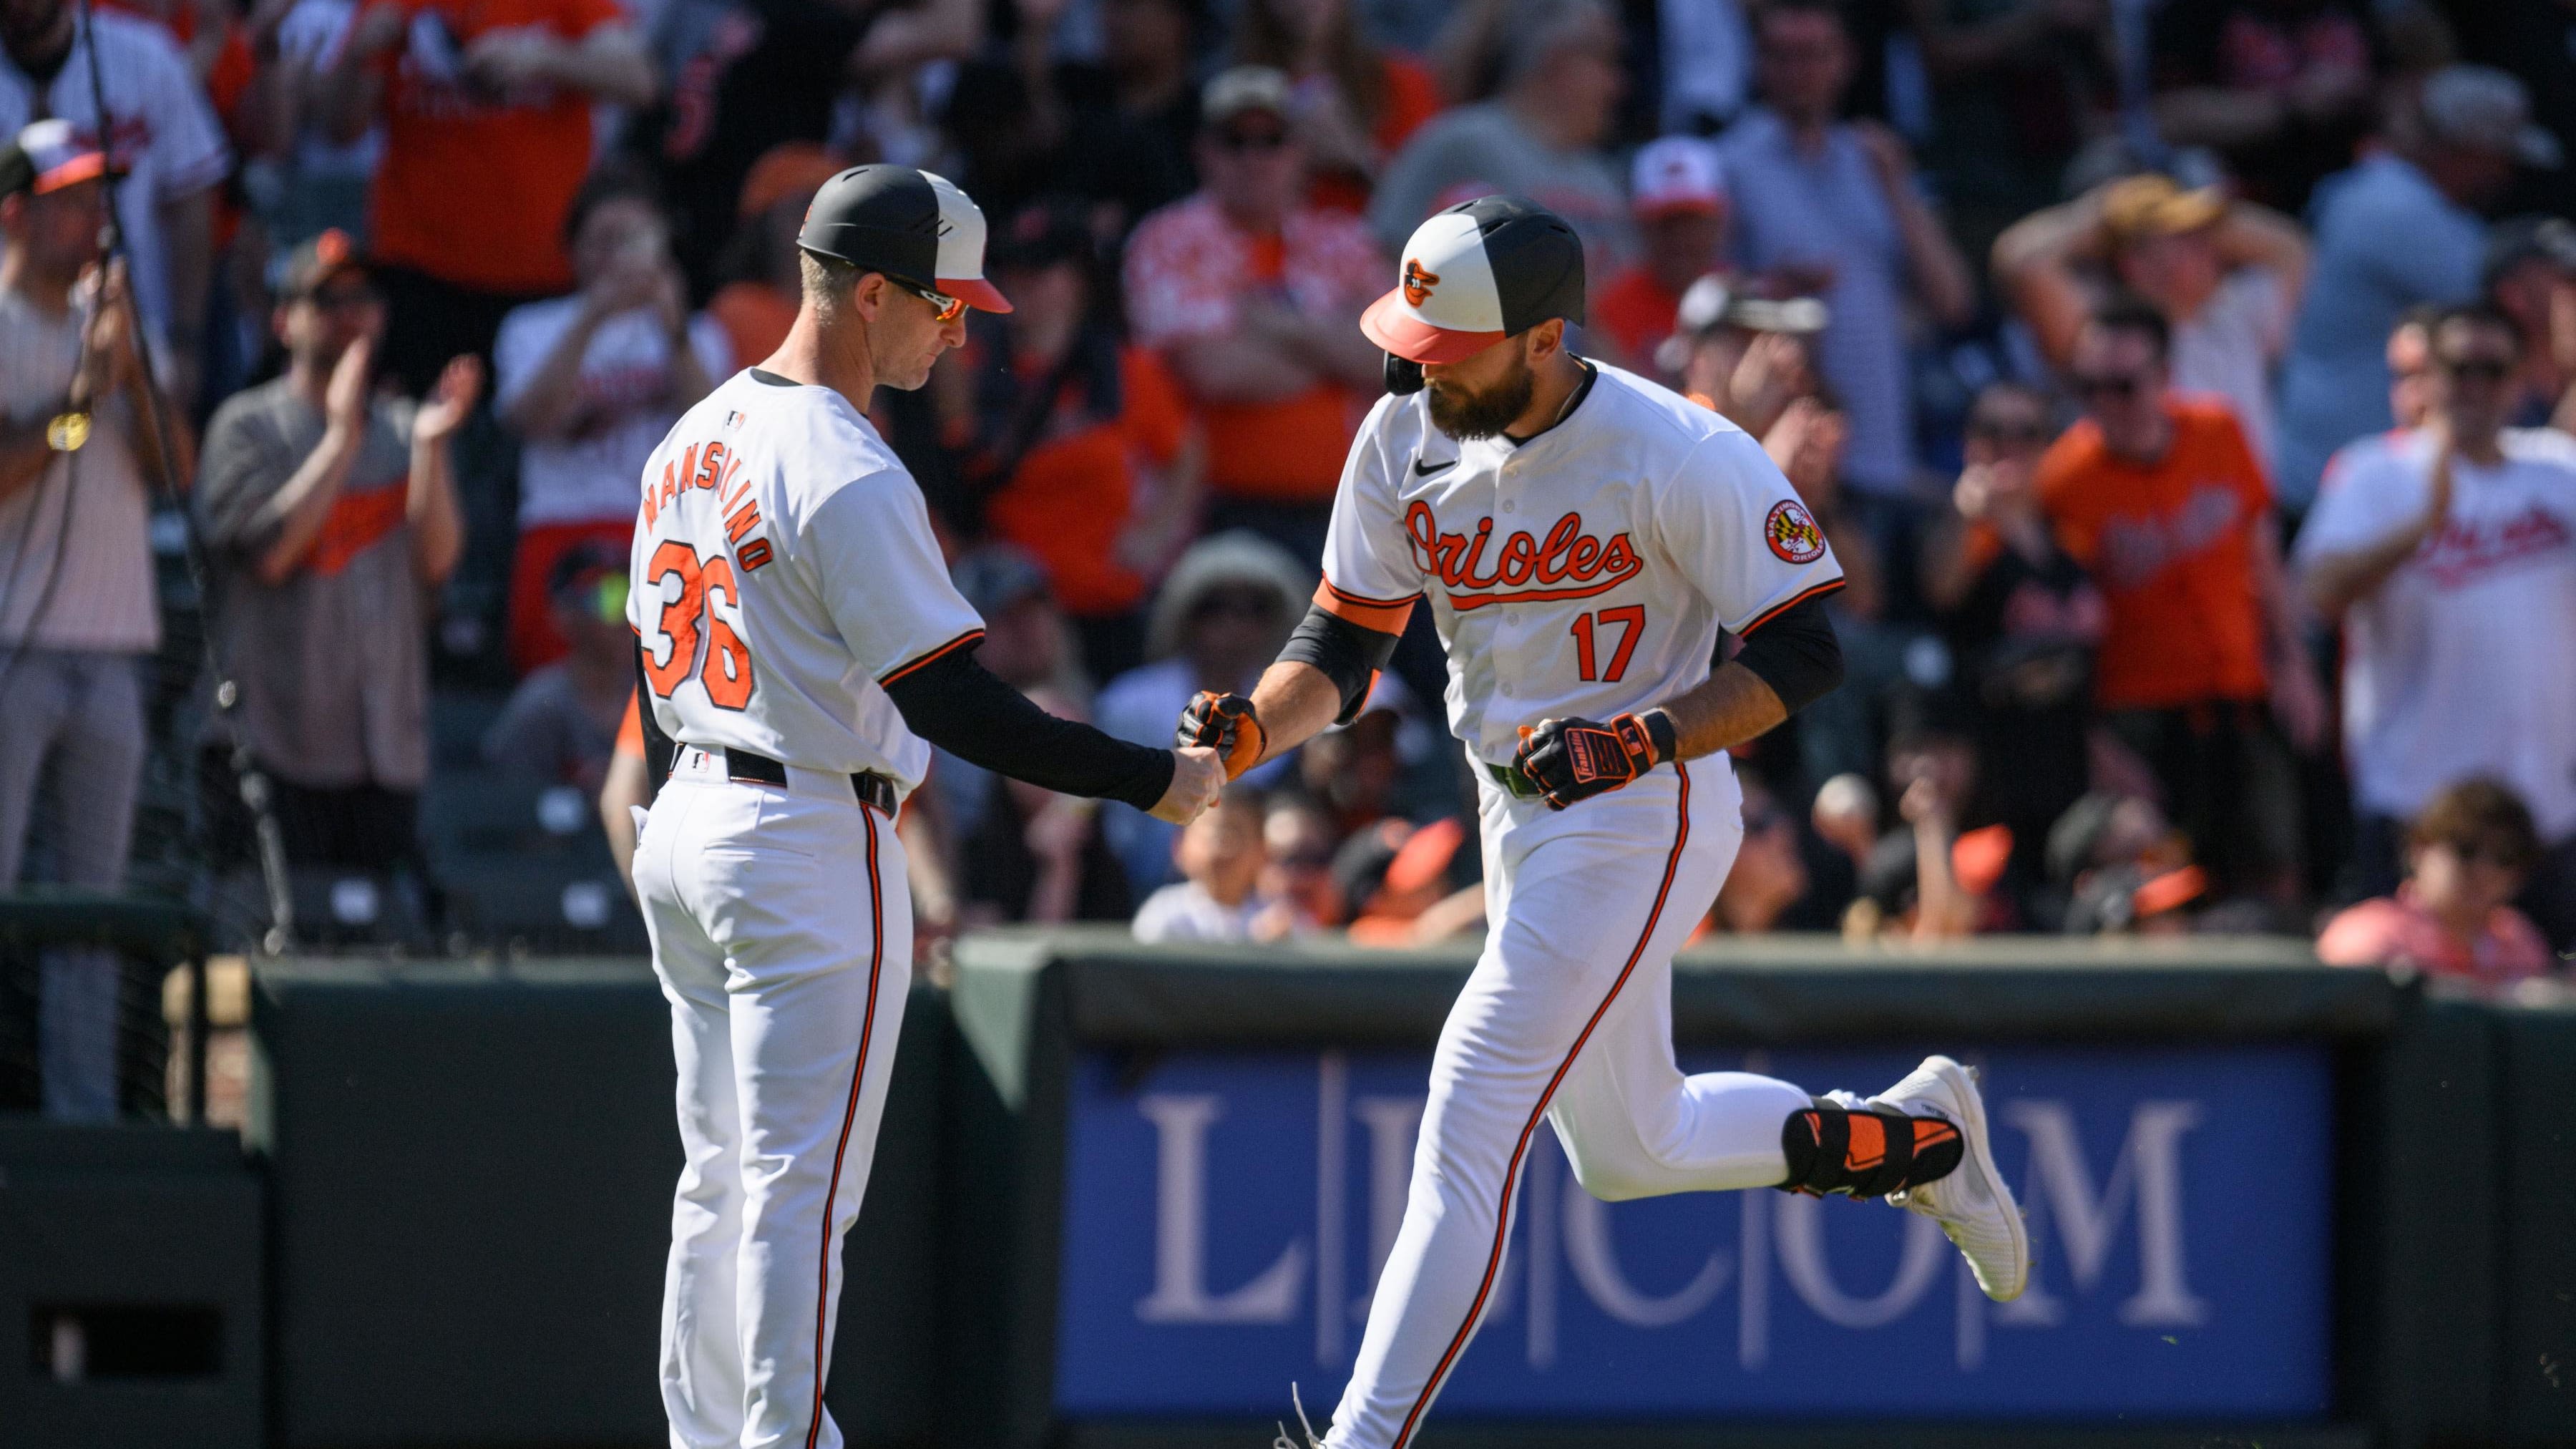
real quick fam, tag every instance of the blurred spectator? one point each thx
(1250, 295)
(1398, 879)
(165, 138)
(2226, 276)
(330, 518)
(2115, 865)
(1218, 622)
(77, 614)
(1831, 208)
(1038, 856)
(1838, 733)
(590, 383)
(745, 83)
(1131, 125)
(325, 181)
(1768, 877)
(1080, 445)
(1354, 103)
(1928, 880)
(1539, 138)
(2530, 276)
(757, 303)
(2017, 87)
(1741, 356)
(561, 723)
(2022, 621)
(2535, 40)
(1707, 55)
(2160, 500)
(1027, 642)
(2449, 553)
(2410, 357)
(1354, 772)
(1222, 856)
(1678, 196)
(2396, 230)
(487, 116)
(2281, 88)
(2468, 851)
(628, 788)
(1297, 848)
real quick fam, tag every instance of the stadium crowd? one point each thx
(2181, 384)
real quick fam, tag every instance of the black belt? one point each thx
(742, 765)
(1514, 781)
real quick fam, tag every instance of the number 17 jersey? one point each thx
(783, 573)
(1585, 572)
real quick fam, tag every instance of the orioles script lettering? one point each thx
(1567, 563)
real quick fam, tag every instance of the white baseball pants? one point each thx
(782, 935)
(1567, 1016)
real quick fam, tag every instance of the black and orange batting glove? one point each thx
(1226, 724)
(1576, 759)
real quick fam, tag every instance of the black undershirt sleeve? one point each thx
(1795, 652)
(966, 709)
(1349, 655)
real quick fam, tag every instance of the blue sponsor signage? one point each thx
(1226, 1215)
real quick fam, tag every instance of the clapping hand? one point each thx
(450, 401)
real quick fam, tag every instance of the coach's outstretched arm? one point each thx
(964, 708)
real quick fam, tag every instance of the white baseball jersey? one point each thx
(783, 573)
(1584, 572)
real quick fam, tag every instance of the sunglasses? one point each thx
(1244, 141)
(944, 308)
(2475, 369)
(2108, 385)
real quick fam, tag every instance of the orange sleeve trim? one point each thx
(1386, 616)
(1785, 605)
(943, 651)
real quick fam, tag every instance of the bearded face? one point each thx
(1465, 414)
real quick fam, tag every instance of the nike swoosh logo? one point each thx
(1420, 471)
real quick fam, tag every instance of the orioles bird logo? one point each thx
(1418, 283)
(1792, 533)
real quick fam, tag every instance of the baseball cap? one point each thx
(2518, 239)
(48, 156)
(1475, 274)
(1243, 88)
(2485, 109)
(1043, 233)
(1677, 175)
(317, 260)
(996, 576)
(2134, 207)
(913, 226)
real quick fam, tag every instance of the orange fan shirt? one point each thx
(474, 189)
(1637, 313)
(1072, 494)
(2171, 545)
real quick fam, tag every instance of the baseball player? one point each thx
(1581, 536)
(798, 641)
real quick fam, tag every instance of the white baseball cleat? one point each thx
(1305, 1426)
(1972, 1205)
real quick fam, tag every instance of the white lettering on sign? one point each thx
(1594, 1258)
(1180, 1295)
(2060, 1196)
(1801, 1234)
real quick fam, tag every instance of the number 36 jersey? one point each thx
(1584, 572)
(783, 573)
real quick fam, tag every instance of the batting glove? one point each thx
(1576, 759)
(1226, 724)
